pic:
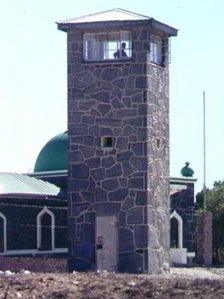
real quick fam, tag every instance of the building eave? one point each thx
(171, 31)
(29, 196)
(182, 180)
(41, 174)
(152, 23)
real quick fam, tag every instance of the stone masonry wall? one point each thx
(128, 101)
(204, 239)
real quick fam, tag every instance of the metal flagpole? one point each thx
(204, 152)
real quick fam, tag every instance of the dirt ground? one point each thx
(180, 283)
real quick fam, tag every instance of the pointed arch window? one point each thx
(3, 236)
(45, 230)
(176, 230)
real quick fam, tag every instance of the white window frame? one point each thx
(4, 231)
(39, 234)
(91, 37)
(180, 227)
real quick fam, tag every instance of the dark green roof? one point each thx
(53, 155)
(15, 183)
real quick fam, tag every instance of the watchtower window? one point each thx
(107, 46)
(159, 50)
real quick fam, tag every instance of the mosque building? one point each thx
(33, 208)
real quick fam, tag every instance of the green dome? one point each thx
(187, 171)
(53, 155)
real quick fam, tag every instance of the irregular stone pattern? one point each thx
(204, 239)
(128, 101)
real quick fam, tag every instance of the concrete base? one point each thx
(178, 255)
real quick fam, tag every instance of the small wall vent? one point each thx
(106, 141)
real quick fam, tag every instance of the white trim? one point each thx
(39, 216)
(182, 179)
(190, 254)
(178, 187)
(33, 251)
(174, 188)
(4, 231)
(180, 227)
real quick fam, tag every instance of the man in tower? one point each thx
(121, 52)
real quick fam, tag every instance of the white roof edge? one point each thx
(95, 17)
(52, 172)
(183, 179)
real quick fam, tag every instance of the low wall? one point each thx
(37, 264)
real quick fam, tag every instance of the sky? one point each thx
(33, 95)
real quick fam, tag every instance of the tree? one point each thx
(215, 204)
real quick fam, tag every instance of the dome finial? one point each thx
(187, 171)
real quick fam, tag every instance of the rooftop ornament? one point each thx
(187, 171)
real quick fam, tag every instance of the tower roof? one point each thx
(114, 17)
(116, 14)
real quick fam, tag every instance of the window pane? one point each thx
(156, 50)
(113, 44)
(174, 233)
(126, 39)
(46, 232)
(166, 50)
(101, 39)
(152, 51)
(89, 46)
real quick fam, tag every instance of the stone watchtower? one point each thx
(118, 131)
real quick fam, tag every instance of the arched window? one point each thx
(173, 233)
(176, 230)
(2, 233)
(45, 230)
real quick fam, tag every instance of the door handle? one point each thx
(99, 246)
(99, 242)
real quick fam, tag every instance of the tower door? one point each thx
(106, 243)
